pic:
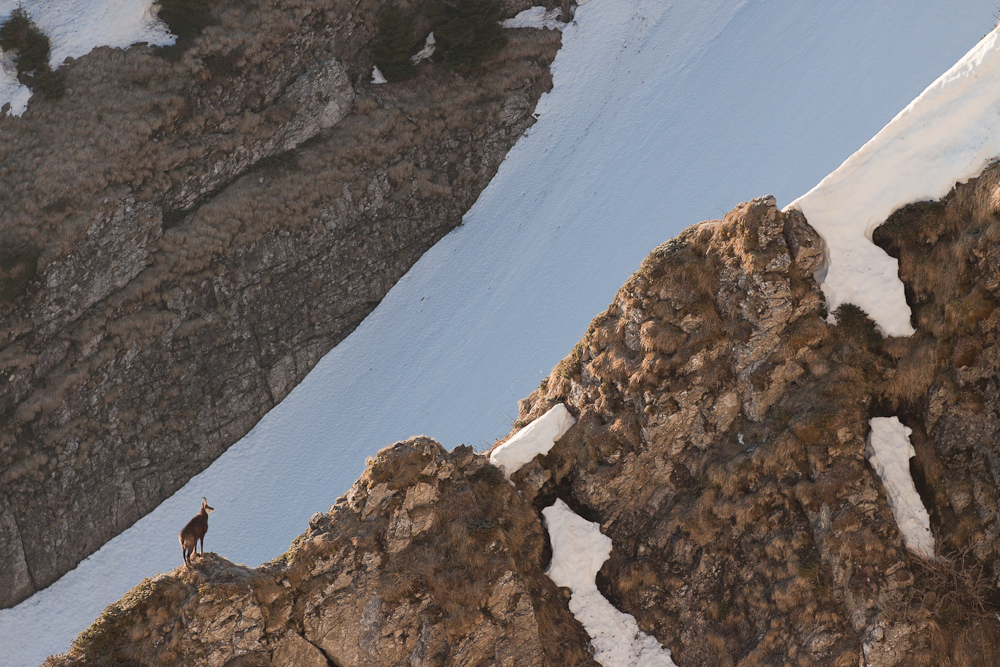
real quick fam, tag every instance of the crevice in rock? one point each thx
(27, 561)
(329, 661)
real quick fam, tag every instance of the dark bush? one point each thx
(857, 326)
(19, 34)
(467, 32)
(490, 474)
(17, 268)
(51, 84)
(186, 19)
(394, 44)
(480, 524)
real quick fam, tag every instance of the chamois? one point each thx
(194, 531)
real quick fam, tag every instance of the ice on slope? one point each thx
(74, 28)
(579, 549)
(891, 452)
(948, 134)
(536, 438)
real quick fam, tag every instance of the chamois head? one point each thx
(204, 506)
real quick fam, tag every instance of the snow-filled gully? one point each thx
(890, 454)
(579, 549)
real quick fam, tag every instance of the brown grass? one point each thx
(912, 377)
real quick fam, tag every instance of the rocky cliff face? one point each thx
(181, 241)
(431, 559)
(721, 442)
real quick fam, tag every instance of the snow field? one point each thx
(890, 458)
(74, 28)
(661, 115)
(579, 549)
(536, 438)
(948, 134)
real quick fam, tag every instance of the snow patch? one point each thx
(426, 52)
(948, 134)
(891, 451)
(579, 549)
(74, 28)
(536, 17)
(536, 438)
(377, 77)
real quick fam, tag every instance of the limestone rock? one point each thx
(469, 591)
(182, 240)
(295, 651)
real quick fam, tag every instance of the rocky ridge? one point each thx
(183, 239)
(430, 559)
(721, 443)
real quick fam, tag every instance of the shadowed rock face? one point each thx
(181, 242)
(720, 443)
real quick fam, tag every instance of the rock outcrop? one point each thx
(182, 239)
(720, 442)
(432, 558)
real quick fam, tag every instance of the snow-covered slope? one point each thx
(662, 114)
(74, 27)
(948, 134)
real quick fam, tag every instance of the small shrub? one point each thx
(51, 84)
(467, 32)
(394, 44)
(19, 34)
(186, 19)
(490, 474)
(17, 268)
(571, 367)
(856, 325)
(480, 524)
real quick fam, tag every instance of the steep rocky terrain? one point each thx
(430, 559)
(720, 442)
(185, 234)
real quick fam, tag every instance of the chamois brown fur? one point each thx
(194, 532)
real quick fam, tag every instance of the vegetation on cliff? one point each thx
(20, 35)
(394, 44)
